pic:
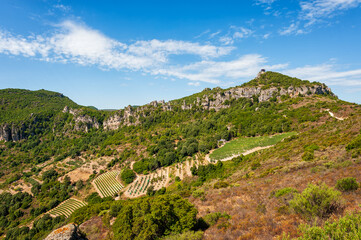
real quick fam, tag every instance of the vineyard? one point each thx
(107, 184)
(67, 207)
(157, 180)
(241, 145)
(160, 178)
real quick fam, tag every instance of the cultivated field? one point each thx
(241, 145)
(67, 207)
(107, 184)
(139, 187)
(160, 178)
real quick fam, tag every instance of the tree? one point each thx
(152, 218)
(128, 175)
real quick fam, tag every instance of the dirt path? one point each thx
(333, 115)
(237, 155)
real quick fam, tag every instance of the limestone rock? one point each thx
(67, 232)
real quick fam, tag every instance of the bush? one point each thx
(198, 193)
(347, 227)
(128, 175)
(347, 184)
(317, 201)
(283, 192)
(308, 156)
(185, 236)
(212, 218)
(220, 184)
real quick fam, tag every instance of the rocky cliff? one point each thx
(82, 121)
(10, 132)
(217, 101)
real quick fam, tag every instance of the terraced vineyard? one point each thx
(139, 187)
(67, 207)
(239, 146)
(107, 184)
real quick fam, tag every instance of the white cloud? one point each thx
(313, 11)
(62, 7)
(292, 29)
(226, 40)
(269, 2)
(217, 72)
(316, 11)
(195, 84)
(161, 49)
(212, 35)
(77, 43)
(235, 33)
(327, 73)
(242, 33)
(266, 36)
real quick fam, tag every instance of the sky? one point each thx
(111, 54)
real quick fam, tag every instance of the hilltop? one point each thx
(72, 161)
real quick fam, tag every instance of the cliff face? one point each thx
(131, 116)
(216, 101)
(11, 132)
(82, 121)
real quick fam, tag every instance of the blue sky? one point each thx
(111, 54)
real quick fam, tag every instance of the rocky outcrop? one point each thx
(11, 132)
(67, 232)
(217, 101)
(82, 121)
(130, 116)
(113, 122)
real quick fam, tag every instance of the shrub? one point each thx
(284, 191)
(185, 236)
(317, 201)
(347, 227)
(308, 156)
(212, 218)
(347, 184)
(355, 143)
(198, 193)
(220, 184)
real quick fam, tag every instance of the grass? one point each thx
(240, 145)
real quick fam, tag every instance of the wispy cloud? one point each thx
(220, 72)
(327, 73)
(62, 7)
(293, 29)
(71, 42)
(76, 43)
(195, 84)
(312, 12)
(316, 10)
(235, 33)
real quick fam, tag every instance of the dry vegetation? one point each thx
(255, 214)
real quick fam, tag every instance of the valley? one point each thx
(220, 162)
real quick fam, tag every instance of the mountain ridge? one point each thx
(269, 86)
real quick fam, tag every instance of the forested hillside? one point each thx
(52, 149)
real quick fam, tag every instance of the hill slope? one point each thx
(61, 148)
